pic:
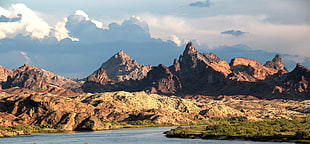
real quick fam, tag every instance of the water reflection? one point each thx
(119, 136)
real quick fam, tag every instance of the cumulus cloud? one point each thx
(176, 40)
(27, 23)
(261, 34)
(89, 31)
(150, 39)
(61, 32)
(201, 4)
(79, 44)
(8, 19)
(234, 33)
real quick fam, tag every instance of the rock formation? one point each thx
(121, 67)
(277, 64)
(89, 111)
(118, 69)
(249, 70)
(292, 85)
(203, 74)
(4, 73)
(39, 80)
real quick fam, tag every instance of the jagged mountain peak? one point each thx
(277, 58)
(121, 67)
(39, 80)
(189, 49)
(276, 63)
(121, 55)
(27, 67)
(301, 68)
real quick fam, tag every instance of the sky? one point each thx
(73, 38)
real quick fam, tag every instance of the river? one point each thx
(152, 135)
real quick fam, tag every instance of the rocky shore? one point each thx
(95, 111)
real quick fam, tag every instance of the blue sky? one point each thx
(73, 38)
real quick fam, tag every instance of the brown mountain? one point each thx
(292, 85)
(197, 73)
(118, 69)
(39, 80)
(121, 67)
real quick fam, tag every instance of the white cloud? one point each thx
(29, 25)
(164, 26)
(176, 40)
(61, 32)
(82, 13)
(262, 35)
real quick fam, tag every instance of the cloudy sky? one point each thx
(73, 38)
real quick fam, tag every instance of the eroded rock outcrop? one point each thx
(277, 64)
(4, 73)
(89, 111)
(114, 74)
(197, 73)
(121, 67)
(249, 70)
(40, 109)
(39, 80)
(292, 85)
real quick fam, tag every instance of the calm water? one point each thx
(119, 136)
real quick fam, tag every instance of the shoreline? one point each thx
(240, 138)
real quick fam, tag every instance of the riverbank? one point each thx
(296, 129)
(30, 129)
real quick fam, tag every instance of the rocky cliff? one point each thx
(39, 80)
(90, 111)
(4, 73)
(294, 84)
(205, 74)
(118, 69)
(121, 67)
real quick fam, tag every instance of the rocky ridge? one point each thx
(91, 111)
(117, 69)
(39, 80)
(197, 73)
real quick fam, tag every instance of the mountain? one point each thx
(195, 73)
(121, 67)
(39, 80)
(117, 69)
(294, 84)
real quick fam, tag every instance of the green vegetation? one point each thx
(269, 129)
(29, 129)
(135, 124)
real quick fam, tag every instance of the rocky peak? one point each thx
(189, 49)
(276, 63)
(121, 56)
(121, 67)
(245, 69)
(4, 73)
(39, 80)
(301, 70)
(211, 58)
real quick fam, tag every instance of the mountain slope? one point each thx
(39, 80)
(197, 73)
(120, 68)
